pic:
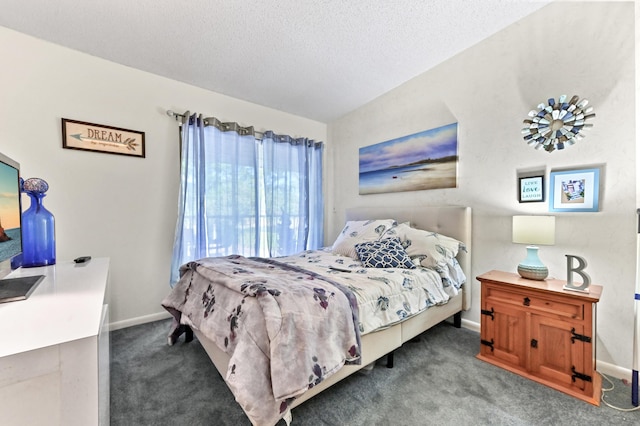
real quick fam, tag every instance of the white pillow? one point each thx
(393, 231)
(359, 231)
(430, 248)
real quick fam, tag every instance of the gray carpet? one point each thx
(436, 381)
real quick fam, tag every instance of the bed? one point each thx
(271, 391)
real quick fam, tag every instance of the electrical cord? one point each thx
(610, 389)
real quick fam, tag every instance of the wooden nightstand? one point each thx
(541, 332)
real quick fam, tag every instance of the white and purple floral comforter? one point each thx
(284, 329)
(290, 322)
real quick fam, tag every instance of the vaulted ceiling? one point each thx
(318, 59)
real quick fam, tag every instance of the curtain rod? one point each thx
(249, 130)
(175, 115)
(226, 126)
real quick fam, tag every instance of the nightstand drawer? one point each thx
(550, 305)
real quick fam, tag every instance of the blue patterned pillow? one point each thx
(384, 254)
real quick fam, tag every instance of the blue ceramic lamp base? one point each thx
(532, 268)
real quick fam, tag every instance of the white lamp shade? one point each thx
(536, 230)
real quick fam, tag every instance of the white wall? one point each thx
(573, 48)
(108, 205)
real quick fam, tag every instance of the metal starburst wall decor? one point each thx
(556, 125)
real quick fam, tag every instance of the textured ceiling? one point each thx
(318, 59)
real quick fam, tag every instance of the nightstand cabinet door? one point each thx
(503, 333)
(556, 356)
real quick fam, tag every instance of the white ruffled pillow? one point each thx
(429, 248)
(359, 231)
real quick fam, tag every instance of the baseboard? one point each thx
(613, 370)
(138, 320)
(601, 366)
(471, 325)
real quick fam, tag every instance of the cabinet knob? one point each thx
(534, 343)
(526, 301)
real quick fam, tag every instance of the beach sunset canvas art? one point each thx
(424, 160)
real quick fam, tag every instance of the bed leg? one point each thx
(390, 360)
(457, 320)
(177, 330)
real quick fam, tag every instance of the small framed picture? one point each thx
(574, 191)
(531, 189)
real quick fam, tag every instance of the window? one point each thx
(241, 195)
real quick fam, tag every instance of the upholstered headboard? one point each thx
(453, 221)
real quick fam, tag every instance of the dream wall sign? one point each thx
(101, 138)
(424, 160)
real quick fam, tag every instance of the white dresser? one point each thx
(54, 348)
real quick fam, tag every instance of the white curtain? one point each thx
(292, 188)
(241, 195)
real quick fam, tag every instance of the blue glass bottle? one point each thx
(38, 231)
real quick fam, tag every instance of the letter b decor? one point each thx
(586, 279)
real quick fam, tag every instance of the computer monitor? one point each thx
(19, 288)
(10, 210)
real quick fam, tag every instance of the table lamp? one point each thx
(533, 230)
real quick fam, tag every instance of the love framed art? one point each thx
(531, 189)
(574, 191)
